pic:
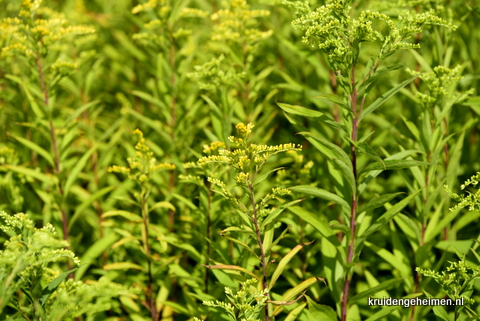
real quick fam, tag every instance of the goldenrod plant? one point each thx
(341, 32)
(36, 43)
(457, 281)
(32, 287)
(255, 220)
(115, 118)
(141, 169)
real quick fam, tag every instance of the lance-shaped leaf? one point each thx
(382, 286)
(393, 164)
(385, 218)
(36, 148)
(53, 286)
(383, 98)
(323, 194)
(231, 268)
(125, 214)
(347, 174)
(320, 226)
(78, 168)
(242, 244)
(378, 201)
(293, 292)
(286, 302)
(320, 311)
(367, 150)
(283, 263)
(333, 150)
(336, 99)
(277, 212)
(122, 266)
(49, 179)
(295, 312)
(299, 110)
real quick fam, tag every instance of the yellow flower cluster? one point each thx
(213, 147)
(143, 165)
(244, 130)
(151, 4)
(238, 24)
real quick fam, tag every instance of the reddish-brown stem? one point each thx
(150, 297)
(208, 232)
(333, 85)
(354, 98)
(55, 150)
(173, 115)
(260, 244)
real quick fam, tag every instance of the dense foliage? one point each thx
(239, 160)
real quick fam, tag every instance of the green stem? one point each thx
(260, 244)
(150, 297)
(55, 149)
(354, 98)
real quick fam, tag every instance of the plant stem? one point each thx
(208, 232)
(354, 98)
(149, 296)
(260, 244)
(55, 149)
(173, 115)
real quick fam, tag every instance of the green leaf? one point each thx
(270, 217)
(46, 178)
(368, 84)
(122, 266)
(319, 225)
(382, 313)
(382, 286)
(79, 111)
(367, 150)
(293, 292)
(347, 174)
(323, 194)
(299, 110)
(383, 98)
(86, 203)
(261, 178)
(78, 168)
(385, 218)
(231, 268)
(336, 99)
(36, 148)
(433, 230)
(378, 202)
(292, 316)
(53, 286)
(334, 150)
(320, 311)
(33, 103)
(393, 164)
(125, 214)
(94, 251)
(440, 312)
(283, 263)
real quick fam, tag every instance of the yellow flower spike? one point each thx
(244, 130)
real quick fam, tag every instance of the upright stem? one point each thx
(173, 114)
(260, 244)
(208, 232)
(150, 297)
(346, 286)
(445, 151)
(53, 137)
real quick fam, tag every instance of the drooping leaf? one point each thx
(53, 286)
